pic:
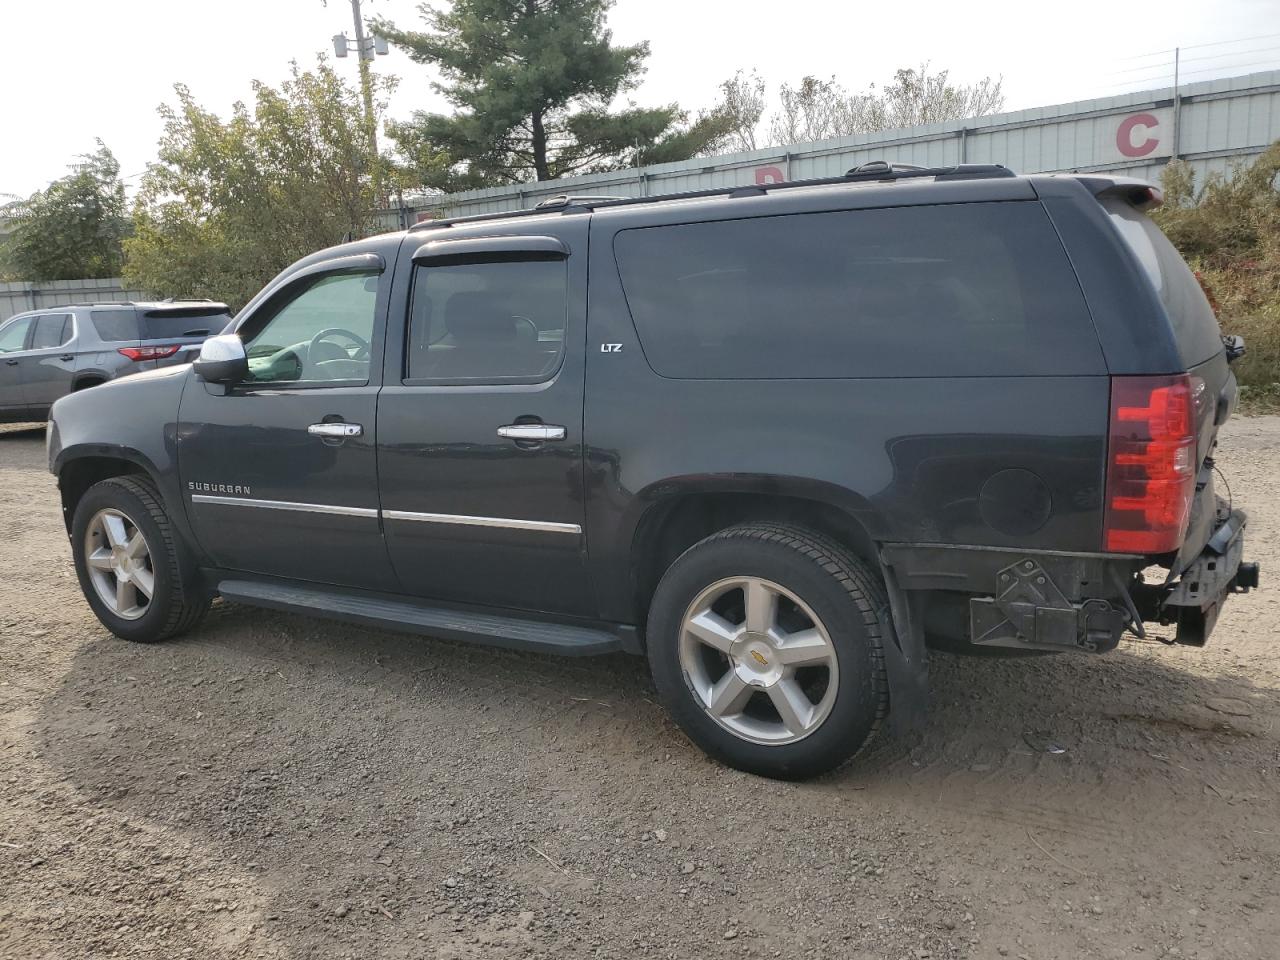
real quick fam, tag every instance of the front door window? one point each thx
(14, 337)
(321, 335)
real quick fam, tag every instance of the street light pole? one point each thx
(366, 49)
(366, 78)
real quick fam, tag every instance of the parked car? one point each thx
(48, 353)
(773, 438)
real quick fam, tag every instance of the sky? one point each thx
(76, 70)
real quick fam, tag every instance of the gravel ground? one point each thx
(273, 786)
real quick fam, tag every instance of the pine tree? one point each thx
(533, 82)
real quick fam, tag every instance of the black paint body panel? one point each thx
(908, 459)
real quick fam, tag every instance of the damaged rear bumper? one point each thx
(1195, 598)
(1057, 601)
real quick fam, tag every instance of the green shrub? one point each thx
(1229, 231)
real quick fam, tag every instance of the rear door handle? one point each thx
(532, 431)
(335, 430)
(67, 357)
(11, 363)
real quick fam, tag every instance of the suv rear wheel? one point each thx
(128, 564)
(765, 645)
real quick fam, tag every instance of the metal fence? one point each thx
(20, 296)
(1212, 125)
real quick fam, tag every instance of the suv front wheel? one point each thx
(765, 642)
(128, 563)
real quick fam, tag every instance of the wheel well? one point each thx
(86, 381)
(667, 530)
(79, 475)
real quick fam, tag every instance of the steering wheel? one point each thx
(362, 351)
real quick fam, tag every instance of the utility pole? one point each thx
(1177, 100)
(366, 49)
(366, 78)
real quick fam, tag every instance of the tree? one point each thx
(818, 109)
(73, 228)
(533, 82)
(742, 105)
(1228, 229)
(230, 203)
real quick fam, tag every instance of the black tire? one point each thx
(177, 602)
(840, 589)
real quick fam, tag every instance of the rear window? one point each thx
(1195, 328)
(980, 289)
(116, 325)
(175, 324)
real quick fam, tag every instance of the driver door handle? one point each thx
(532, 431)
(335, 430)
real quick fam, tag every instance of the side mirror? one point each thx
(222, 360)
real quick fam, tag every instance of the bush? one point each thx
(1229, 231)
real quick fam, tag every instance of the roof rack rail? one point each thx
(569, 200)
(874, 170)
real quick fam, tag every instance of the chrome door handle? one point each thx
(532, 431)
(339, 430)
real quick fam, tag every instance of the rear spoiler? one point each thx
(1140, 194)
(210, 309)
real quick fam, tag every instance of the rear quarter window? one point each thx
(116, 325)
(1195, 328)
(980, 289)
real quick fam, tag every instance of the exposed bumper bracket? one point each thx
(1029, 611)
(1194, 600)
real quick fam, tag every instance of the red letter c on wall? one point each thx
(769, 175)
(1124, 135)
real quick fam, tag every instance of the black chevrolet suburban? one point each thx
(778, 439)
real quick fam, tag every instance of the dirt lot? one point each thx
(279, 787)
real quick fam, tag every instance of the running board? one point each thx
(490, 629)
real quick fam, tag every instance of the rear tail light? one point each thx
(149, 353)
(1151, 463)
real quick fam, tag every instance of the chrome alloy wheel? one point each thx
(119, 562)
(758, 660)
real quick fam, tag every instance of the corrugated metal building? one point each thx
(20, 296)
(1211, 124)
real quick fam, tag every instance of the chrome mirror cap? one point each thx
(222, 360)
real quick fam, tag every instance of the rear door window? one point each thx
(1195, 328)
(52, 330)
(116, 325)
(981, 289)
(493, 322)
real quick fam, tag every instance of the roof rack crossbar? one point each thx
(875, 170)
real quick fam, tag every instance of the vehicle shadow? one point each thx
(21, 431)
(333, 765)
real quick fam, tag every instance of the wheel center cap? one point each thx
(755, 661)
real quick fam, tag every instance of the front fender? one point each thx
(133, 420)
